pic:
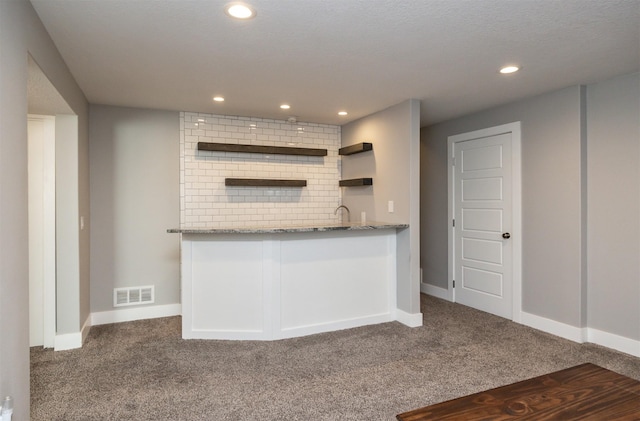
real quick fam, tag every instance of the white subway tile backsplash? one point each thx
(206, 202)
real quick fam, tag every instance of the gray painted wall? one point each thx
(394, 165)
(67, 218)
(73, 308)
(389, 132)
(613, 128)
(552, 205)
(22, 33)
(581, 202)
(135, 197)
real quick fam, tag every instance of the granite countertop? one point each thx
(319, 227)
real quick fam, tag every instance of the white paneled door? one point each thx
(482, 226)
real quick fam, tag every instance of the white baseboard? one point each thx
(138, 313)
(408, 319)
(613, 341)
(581, 335)
(563, 330)
(294, 332)
(435, 291)
(66, 341)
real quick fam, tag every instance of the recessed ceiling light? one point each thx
(342, 113)
(509, 69)
(285, 106)
(218, 99)
(239, 10)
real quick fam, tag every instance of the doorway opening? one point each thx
(49, 120)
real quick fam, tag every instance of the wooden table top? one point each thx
(584, 392)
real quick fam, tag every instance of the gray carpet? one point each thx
(144, 371)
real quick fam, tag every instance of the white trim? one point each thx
(74, 340)
(516, 168)
(131, 314)
(186, 248)
(563, 330)
(48, 228)
(435, 291)
(408, 319)
(294, 332)
(613, 341)
(67, 341)
(582, 335)
(516, 219)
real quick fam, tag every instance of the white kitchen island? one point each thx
(274, 283)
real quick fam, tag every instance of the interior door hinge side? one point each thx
(454, 283)
(454, 222)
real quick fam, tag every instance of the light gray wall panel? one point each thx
(14, 257)
(134, 199)
(67, 227)
(433, 206)
(389, 131)
(45, 53)
(22, 33)
(614, 206)
(551, 195)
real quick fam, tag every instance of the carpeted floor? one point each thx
(144, 370)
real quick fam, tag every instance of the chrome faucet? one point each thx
(345, 208)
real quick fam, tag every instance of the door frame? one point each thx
(48, 229)
(516, 207)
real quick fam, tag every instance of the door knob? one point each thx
(506, 235)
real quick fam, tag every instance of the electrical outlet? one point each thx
(390, 206)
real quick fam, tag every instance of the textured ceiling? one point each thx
(322, 56)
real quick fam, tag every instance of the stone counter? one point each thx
(347, 226)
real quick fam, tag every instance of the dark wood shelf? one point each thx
(263, 182)
(273, 150)
(355, 182)
(357, 148)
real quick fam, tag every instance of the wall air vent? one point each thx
(131, 296)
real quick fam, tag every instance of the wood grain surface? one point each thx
(584, 392)
(274, 150)
(263, 182)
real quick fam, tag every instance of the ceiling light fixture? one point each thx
(285, 106)
(342, 113)
(240, 10)
(218, 99)
(509, 69)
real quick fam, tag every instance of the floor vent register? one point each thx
(133, 296)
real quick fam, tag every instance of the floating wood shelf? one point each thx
(355, 182)
(263, 182)
(357, 148)
(273, 150)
